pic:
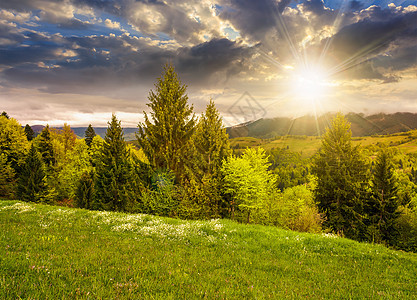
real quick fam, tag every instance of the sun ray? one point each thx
(336, 25)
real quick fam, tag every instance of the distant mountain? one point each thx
(309, 125)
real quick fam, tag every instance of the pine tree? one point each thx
(212, 144)
(382, 208)
(32, 178)
(211, 141)
(167, 139)
(30, 134)
(89, 135)
(116, 180)
(46, 148)
(341, 172)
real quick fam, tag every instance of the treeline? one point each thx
(185, 168)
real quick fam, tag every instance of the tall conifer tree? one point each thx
(212, 144)
(341, 171)
(89, 135)
(115, 183)
(30, 134)
(45, 147)
(382, 208)
(166, 136)
(32, 184)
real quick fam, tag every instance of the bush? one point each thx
(161, 199)
(293, 209)
(406, 224)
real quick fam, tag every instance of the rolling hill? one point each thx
(378, 124)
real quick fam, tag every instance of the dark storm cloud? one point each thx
(67, 64)
(203, 60)
(372, 39)
(253, 18)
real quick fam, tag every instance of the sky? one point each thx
(79, 61)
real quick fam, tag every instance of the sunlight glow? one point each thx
(309, 84)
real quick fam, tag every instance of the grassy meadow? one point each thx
(307, 146)
(49, 252)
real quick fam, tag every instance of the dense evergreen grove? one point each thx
(186, 168)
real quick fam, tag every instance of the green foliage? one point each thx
(13, 142)
(212, 144)
(84, 194)
(293, 209)
(45, 147)
(89, 135)
(5, 114)
(7, 178)
(30, 134)
(75, 164)
(290, 168)
(406, 229)
(248, 180)
(116, 181)
(65, 136)
(59, 253)
(341, 171)
(95, 149)
(32, 186)
(161, 198)
(382, 206)
(166, 137)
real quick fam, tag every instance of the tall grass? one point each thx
(53, 252)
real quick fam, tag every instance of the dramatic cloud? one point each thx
(80, 60)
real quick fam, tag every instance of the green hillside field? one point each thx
(49, 252)
(308, 145)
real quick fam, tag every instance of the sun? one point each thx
(309, 85)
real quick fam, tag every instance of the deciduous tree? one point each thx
(248, 180)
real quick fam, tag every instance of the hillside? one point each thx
(54, 252)
(308, 145)
(361, 125)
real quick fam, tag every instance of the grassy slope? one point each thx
(52, 252)
(308, 145)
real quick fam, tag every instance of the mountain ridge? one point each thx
(361, 125)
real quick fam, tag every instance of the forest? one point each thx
(185, 167)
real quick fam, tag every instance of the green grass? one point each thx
(51, 252)
(308, 145)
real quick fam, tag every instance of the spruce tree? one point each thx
(30, 134)
(116, 180)
(166, 137)
(45, 147)
(382, 208)
(32, 184)
(341, 172)
(89, 135)
(211, 141)
(212, 144)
